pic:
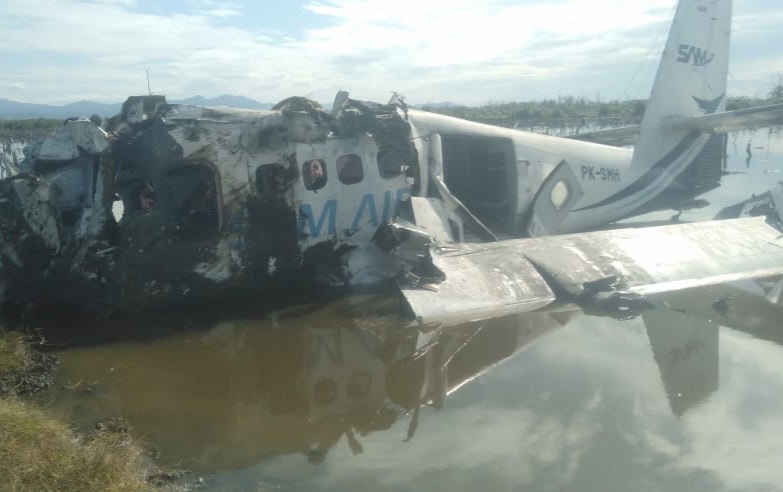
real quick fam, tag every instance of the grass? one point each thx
(23, 370)
(14, 353)
(40, 453)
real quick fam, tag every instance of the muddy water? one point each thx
(686, 397)
(347, 396)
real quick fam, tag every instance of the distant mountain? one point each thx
(19, 110)
(89, 108)
(15, 110)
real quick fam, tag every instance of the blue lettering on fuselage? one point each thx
(366, 214)
(307, 219)
(368, 203)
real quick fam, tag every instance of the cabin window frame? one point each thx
(311, 182)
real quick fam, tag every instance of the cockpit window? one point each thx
(314, 174)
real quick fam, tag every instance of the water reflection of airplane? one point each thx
(682, 329)
(219, 202)
(684, 336)
(364, 378)
(301, 384)
(241, 392)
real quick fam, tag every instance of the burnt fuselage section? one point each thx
(171, 204)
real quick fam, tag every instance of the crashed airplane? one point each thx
(169, 203)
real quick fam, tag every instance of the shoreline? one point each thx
(41, 451)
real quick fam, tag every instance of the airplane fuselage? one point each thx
(193, 201)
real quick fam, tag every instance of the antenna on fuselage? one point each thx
(149, 87)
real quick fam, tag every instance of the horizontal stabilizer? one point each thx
(731, 121)
(484, 280)
(725, 122)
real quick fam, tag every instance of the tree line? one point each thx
(576, 112)
(566, 111)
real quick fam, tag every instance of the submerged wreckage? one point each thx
(170, 203)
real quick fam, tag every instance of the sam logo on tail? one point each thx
(694, 55)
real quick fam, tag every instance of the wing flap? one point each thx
(660, 259)
(479, 285)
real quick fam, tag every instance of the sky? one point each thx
(463, 51)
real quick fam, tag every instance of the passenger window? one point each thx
(314, 174)
(559, 194)
(349, 169)
(391, 163)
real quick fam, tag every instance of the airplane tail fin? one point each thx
(691, 81)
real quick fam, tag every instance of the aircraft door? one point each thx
(559, 192)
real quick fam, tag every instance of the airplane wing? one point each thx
(608, 272)
(725, 122)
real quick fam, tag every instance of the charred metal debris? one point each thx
(169, 203)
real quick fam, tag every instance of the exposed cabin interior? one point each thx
(481, 173)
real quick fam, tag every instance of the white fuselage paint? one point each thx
(602, 170)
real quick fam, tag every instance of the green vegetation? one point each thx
(38, 452)
(565, 110)
(577, 112)
(776, 94)
(30, 124)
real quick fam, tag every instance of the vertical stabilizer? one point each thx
(691, 81)
(670, 158)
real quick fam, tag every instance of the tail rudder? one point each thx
(691, 81)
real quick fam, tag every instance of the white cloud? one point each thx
(461, 50)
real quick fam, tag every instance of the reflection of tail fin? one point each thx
(775, 296)
(686, 351)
